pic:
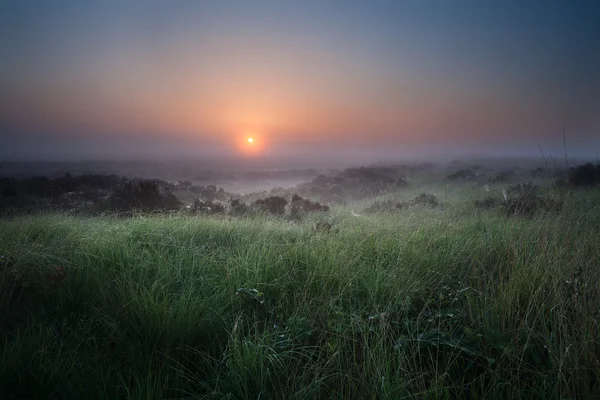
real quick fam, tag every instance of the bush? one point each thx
(72, 193)
(354, 183)
(8, 187)
(187, 185)
(237, 207)
(423, 199)
(207, 207)
(272, 205)
(141, 195)
(301, 206)
(585, 175)
(523, 200)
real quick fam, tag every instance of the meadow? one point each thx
(365, 301)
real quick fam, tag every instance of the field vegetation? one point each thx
(407, 282)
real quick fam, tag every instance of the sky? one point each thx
(110, 79)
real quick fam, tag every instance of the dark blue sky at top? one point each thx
(534, 52)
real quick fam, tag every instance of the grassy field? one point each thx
(447, 302)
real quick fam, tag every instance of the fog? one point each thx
(42, 148)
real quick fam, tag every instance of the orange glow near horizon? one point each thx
(239, 96)
(254, 79)
(250, 145)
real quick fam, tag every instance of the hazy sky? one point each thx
(103, 78)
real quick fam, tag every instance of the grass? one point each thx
(420, 303)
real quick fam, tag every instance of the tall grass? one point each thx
(448, 302)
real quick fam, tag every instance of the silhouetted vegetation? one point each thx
(423, 200)
(354, 183)
(92, 194)
(524, 200)
(8, 187)
(277, 205)
(209, 192)
(273, 205)
(65, 193)
(207, 207)
(238, 207)
(141, 195)
(585, 175)
(300, 206)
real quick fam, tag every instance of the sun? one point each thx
(250, 144)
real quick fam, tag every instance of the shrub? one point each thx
(272, 205)
(301, 206)
(355, 183)
(207, 207)
(424, 199)
(68, 193)
(8, 187)
(141, 195)
(523, 200)
(585, 175)
(237, 207)
(184, 185)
